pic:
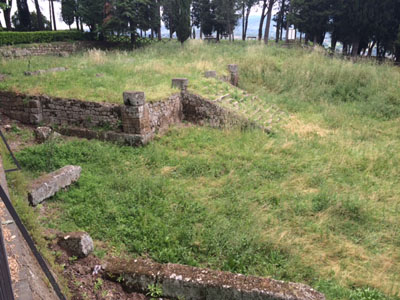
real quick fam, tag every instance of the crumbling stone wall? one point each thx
(163, 114)
(135, 122)
(70, 112)
(201, 111)
(57, 111)
(179, 281)
(58, 48)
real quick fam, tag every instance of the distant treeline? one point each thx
(359, 25)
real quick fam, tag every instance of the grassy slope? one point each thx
(317, 201)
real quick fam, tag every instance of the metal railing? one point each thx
(5, 276)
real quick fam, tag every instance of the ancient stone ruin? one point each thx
(49, 184)
(190, 283)
(135, 122)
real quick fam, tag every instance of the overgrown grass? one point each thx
(317, 201)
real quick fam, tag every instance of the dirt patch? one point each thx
(84, 281)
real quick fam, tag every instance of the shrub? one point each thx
(12, 38)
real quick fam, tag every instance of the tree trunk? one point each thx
(39, 15)
(356, 45)
(7, 17)
(77, 23)
(333, 43)
(133, 33)
(54, 15)
(345, 47)
(246, 25)
(24, 14)
(170, 34)
(260, 28)
(287, 27)
(268, 25)
(243, 33)
(51, 16)
(159, 24)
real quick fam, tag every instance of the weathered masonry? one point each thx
(135, 122)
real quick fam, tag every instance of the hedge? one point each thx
(12, 38)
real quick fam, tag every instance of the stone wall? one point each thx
(133, 123)
(70, 112)
(57, 111)
(57, 48)
(163, 114)
(179, 281)
(201, 111)
(129, 124)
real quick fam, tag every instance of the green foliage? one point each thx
(367, 294)
(155, 290)
(314, 202)
(12, 38)
(34, 22)
(68, 11)
(182, 19)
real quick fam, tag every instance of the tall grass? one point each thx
(317, 201)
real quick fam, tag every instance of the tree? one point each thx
(6, 6)
(52, 13)
(203, 16)
(24, 15)
(247, 5)
(226, 16)
(182, 17)
(39, 16)
(269, 17)
(68, 11)
(168, 16)
(91, 12)
(312, 17)
(16, 21)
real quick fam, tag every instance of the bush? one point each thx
(12, 38)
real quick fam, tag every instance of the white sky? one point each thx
(44, 6)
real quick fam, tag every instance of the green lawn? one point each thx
(316, 201)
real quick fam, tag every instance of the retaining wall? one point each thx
(135, 122)
(185, 282)
(57, 48)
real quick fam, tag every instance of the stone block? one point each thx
(49, 184)
(233, 68)
(180, 83)
(134, 98)
(42, 134)
(210, 74)
(78, 244)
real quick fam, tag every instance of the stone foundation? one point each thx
(135, 122)
(58, 48)
(185, 282)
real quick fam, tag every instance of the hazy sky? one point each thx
(44, 6)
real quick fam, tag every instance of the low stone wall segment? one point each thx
(57, 48)
(190, 283)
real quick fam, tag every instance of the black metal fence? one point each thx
(6, 292)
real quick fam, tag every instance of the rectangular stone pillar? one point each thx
(135, 114)
(234, 71)
(35, 112)
(180, 83)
